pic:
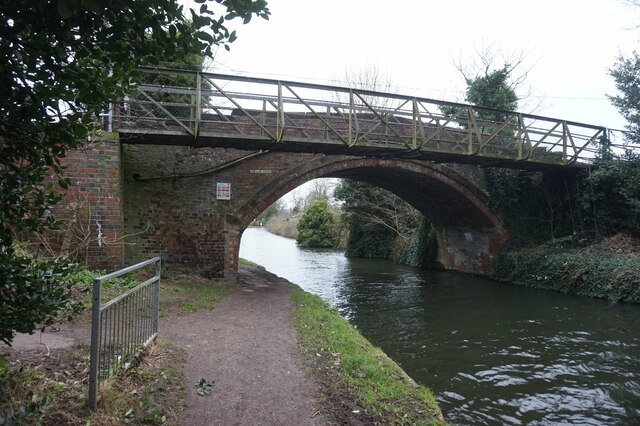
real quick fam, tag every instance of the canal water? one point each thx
(492, 353)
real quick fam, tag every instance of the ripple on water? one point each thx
(492, 353)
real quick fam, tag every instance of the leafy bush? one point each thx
(592, 272)
(374, 241)
(315, 228)
(37, 285)
(610, 195)
(421, 251)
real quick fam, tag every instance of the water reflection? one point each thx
(492, 353)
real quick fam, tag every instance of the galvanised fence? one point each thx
(123, 326)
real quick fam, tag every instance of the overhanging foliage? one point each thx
(63, 62)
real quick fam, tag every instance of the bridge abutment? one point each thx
(233, 235)
(468, 249)
(91, 212)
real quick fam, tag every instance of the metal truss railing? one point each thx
(212, 107)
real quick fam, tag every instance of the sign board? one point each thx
(223, 191)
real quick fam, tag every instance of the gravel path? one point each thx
(248, 345)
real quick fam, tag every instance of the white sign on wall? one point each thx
(223, 191)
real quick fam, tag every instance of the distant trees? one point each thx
(271, 211)
(315, 228)
(626, 74)
(611, 192)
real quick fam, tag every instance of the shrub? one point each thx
(315, 228)
(592, 272)
(37, 285)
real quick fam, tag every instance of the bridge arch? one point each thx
(469, 231)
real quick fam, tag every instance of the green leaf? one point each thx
(64, 183)
(202, 35)
(128, 416)
(64, 9)
(203, 387)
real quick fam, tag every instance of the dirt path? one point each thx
(248, 345)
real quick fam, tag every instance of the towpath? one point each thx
(248, 345)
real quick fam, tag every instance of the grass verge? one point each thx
(250, 263)
(361, 384)
(186, 293)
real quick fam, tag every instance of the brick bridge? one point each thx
(150, 185)
(161, 200)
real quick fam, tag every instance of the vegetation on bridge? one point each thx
(586, 240)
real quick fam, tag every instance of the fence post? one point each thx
(156, 297)
(198, 115)
(95, 342)
(124, 320)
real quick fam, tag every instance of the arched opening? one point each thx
(469, 232)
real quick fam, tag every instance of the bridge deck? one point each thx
(200, 109)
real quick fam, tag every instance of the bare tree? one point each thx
(321, 189)
(371, 78)
(298, 200)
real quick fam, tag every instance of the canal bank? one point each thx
(492, 353)
(249, 346)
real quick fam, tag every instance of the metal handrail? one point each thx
(123, 326)
(228, 110)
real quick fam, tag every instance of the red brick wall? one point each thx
(148, 200)
(170, 204)
(96, 186)
(171, 208)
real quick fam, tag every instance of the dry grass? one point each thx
(284, 226)
(622, 244)
(52, 390)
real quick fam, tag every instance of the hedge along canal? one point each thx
(492, 353)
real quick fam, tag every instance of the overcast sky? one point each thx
(569, 46)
